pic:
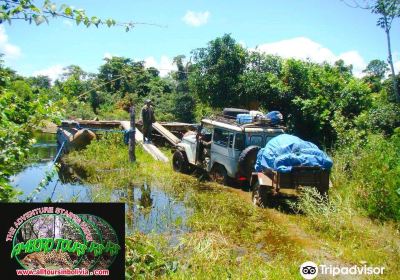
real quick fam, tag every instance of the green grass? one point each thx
(229, 238)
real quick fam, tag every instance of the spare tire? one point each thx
(247, 160)
(233, 112)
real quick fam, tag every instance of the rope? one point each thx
(54, 189)
(45, 181)
(59, 152)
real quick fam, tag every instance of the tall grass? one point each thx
(229, 238)
(368, 173)
(360, 221)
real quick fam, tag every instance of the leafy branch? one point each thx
(26, 10)
(387, 10)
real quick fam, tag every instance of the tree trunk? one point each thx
(132, 156)
(390, 60)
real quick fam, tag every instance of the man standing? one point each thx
(148, 119)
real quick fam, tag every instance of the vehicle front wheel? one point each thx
(180, 162)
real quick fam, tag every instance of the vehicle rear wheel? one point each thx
(259, 195)
(219, 175)
(180, 162)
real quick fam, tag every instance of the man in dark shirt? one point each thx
(148, 119)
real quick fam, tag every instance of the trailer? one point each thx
(269, 185)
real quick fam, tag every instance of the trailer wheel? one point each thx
(259, 195)
(180, 162)
(219, 174)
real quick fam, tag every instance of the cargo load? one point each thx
(285, 151)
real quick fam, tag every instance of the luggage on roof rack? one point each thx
(244, 118)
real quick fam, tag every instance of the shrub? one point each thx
(371, 173)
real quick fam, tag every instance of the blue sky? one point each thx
(316, 29)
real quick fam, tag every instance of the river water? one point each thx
(148, 208)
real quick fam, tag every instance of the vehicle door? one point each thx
(222, 150)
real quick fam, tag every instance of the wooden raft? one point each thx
(149, 148)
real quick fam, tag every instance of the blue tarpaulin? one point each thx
(285, 151)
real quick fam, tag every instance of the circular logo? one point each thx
(309, 270)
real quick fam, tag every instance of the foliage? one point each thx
(330, 216)
(376, 68)
(21, 110)
(144, 260)
(183, 108)
(217, 70)
(381, 117)
(373, 175)
(308, 94)
(228, 237)
(181, 76)
(388, 10)
(26, 10)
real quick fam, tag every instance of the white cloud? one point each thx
(196, 18)
(108, 55)
(304, 48)
(164, 66)
(68, 22)
(355, 59)
(10, 51)
(397, 66)
(242, 43)
(53, 72)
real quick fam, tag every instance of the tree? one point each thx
(387, 10)
(20, 111)
(375, 73)
(376, 68)
(116, 75)
(40, 82)
(183, 108)
(26, 10)
(74, 71)
(181, 76)
(217, 70)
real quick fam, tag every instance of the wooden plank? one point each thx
(149, 148)
(166, 134)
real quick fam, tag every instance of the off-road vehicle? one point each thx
(224, 148)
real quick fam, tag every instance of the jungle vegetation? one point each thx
(349, 116)
(356, 119)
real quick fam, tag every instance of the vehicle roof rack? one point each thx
(232, 121)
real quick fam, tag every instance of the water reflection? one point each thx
(152, 210)
(62, 187)
(29, 178)
(45, 148)
(148, 208)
